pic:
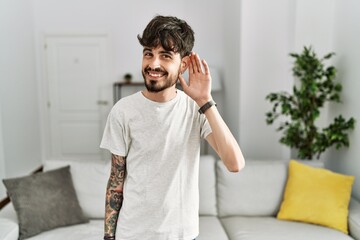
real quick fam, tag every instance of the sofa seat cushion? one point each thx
(270, 228)
(354, 218)
(211, 229)
(94, 230)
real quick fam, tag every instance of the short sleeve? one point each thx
(205, 128)
(115, 137)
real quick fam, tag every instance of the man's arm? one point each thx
(221, 139)
(223, 142)
(114, 195)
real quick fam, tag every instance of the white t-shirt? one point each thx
(161, 143)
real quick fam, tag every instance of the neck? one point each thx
(163, 96)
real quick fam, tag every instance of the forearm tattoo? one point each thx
(114, 193)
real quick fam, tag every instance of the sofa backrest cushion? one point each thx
(90, 180)
(257, 190)
(207, 186)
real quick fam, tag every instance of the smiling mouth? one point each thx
(156, 74)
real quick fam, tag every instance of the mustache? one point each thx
(158, 69)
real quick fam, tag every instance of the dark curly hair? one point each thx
(172, 33)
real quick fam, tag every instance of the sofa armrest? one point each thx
(354, 219)
(9, 230)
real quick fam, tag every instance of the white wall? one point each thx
(23, 21)
(346, 40)
(125, 20)
(18, 92)
(314, 25)
(315, 28)
(269, 31)
(232, 68)
(266, 39)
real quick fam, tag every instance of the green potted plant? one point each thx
(127, 78)
(298, 111)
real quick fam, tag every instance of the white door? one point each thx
(77, 71)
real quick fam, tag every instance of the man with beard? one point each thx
(154, 138)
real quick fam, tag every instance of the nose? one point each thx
(154, 62)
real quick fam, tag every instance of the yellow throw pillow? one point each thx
(316, 195)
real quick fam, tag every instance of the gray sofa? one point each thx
(233, 206)
(245, 205)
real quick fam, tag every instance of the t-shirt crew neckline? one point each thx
(159, 104)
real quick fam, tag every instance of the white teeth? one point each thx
(155, 74)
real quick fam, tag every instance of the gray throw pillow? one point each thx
(44, 201)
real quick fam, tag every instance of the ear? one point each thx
(184, 63)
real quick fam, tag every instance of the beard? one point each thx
(156, 85)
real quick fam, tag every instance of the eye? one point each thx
(167, 56)
(147, 54)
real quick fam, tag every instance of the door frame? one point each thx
(43, 82)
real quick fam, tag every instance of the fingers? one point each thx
(195, 64)
(206, 67)
(198, 64)
(191, 67)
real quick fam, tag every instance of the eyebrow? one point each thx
(164, 51)
(147, 49)
(168, 52)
